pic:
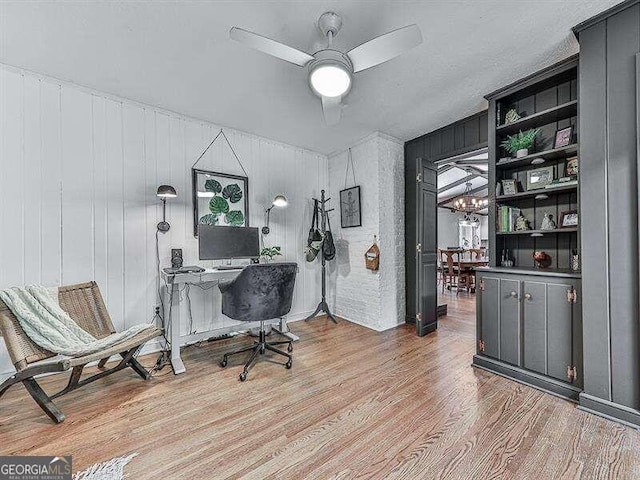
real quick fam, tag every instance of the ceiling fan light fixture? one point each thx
(330, 73)
(330, 80)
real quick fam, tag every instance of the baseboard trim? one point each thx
(377, 329)
(430, 328)
(532, 379)
(609, 410)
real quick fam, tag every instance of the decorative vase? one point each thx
(523, 152)
(522, 224)
(542, 259)
(575, 261)
(547, 222)
(511, 116)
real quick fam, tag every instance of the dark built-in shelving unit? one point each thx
(547, 101)
(529, 319)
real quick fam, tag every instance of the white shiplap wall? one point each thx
(78, 174)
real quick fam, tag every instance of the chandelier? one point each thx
(468, 203)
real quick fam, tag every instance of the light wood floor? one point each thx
(356, 404)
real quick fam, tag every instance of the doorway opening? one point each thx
(463, 233)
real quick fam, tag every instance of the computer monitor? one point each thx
(222, 243)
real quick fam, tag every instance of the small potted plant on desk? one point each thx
(269, 253)
(520, 143)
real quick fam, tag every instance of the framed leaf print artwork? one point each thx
(219, 199)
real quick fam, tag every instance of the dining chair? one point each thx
(477, 253)
(450, 261)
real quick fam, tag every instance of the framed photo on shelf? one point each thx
(569, 219)
(350, 211)
(509, 187)
(539, 178)
(563, 137)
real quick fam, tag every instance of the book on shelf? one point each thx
(506, 218)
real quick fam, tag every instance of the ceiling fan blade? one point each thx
(270, 47)
(385, 47)
(332, 109)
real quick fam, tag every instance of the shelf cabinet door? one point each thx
(509, 319)
(488, 315)
(535, 326)
(560, 341)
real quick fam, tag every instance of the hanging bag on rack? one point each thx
(328, 247)
(315, 239)
(313, 231)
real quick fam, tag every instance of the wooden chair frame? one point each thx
(86, 307)
(449, 269)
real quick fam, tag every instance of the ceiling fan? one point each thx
(331, 71)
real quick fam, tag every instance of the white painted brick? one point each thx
(373, 299)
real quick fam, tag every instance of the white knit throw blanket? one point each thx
(51, 328)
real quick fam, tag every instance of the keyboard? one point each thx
(229, 267)
(175, 271)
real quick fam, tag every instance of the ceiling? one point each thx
(177, 55)
(454, 174)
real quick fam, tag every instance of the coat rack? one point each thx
(323, 306)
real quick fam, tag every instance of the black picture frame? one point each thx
(509, 186)
(350, 207)
(539, 178)
(228, 196)
(569, 219)
(564, 137)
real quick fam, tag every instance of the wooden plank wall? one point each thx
(78, 174)
(609, 199)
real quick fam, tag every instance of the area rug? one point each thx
(110, 470)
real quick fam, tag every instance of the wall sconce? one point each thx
(279, 201)
(164, 192)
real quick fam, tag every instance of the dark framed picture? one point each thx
(563, 137)
(539, 178)
(509, 187)
(350, 211)
(219, 199)
(569, 219)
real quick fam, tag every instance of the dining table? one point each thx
(470, 264)
(466, 266)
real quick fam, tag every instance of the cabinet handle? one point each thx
(527, 296)
(514, 294)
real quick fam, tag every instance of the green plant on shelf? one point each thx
(520, 141)
(268, 253)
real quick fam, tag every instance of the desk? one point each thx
(175, 283)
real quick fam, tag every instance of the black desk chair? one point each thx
(259, 293)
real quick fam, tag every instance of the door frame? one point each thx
(459, 138)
